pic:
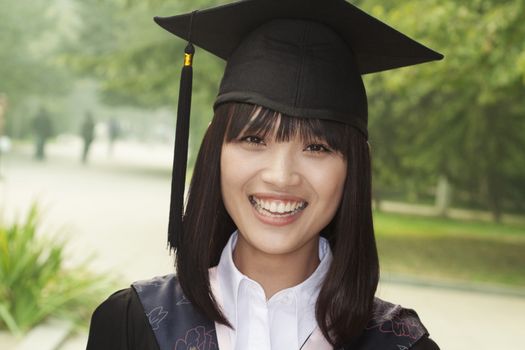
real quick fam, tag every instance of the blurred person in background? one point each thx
(113, 134)
(4, 141)
(87, 131)
(43, 130)
(3, 109)
(275, 248)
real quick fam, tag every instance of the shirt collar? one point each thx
(230, 278)
(306, 292)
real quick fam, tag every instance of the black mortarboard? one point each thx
(303, 58)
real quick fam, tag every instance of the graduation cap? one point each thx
(303, 58)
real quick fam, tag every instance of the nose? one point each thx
(281, 168)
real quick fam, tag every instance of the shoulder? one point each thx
(120, 323)
(425, 343)
(115, 308)
(172, 317)
(395, 327)
(159, 295)
(396, 320)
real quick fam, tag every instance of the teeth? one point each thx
(271, 208)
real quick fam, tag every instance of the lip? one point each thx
(280, 197)
(277, 220)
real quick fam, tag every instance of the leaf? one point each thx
(34, 283)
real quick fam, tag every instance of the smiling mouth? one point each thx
(277, 208)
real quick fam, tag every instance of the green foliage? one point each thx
(462, 117)
(138, 63)
(24, 68)
(30, 73)
(35, 284)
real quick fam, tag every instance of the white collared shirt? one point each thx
(285, 321)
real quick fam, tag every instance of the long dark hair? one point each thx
(346, 298)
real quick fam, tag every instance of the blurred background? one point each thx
(87, 96)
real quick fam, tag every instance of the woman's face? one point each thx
(280, 195)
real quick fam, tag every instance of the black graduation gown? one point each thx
(120, 323)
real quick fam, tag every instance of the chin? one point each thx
(275, 241)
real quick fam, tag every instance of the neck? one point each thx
(275, 272)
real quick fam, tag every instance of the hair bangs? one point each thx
(247, 119)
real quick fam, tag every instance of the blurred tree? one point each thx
(138, 63)
(28, 70)
(463, 118)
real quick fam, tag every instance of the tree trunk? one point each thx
(494, 197)
(443, 195)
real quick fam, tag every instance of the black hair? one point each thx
(344, 305)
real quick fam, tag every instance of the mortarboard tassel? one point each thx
(180, 154)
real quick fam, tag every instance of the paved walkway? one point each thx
(117, 208)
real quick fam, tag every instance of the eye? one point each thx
(252, 140)
(318, 148)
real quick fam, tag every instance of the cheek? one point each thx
(229, 178)
(236, 171)
(328, 181)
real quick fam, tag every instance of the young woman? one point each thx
(276, 248)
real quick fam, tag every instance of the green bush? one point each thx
(35, 285)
